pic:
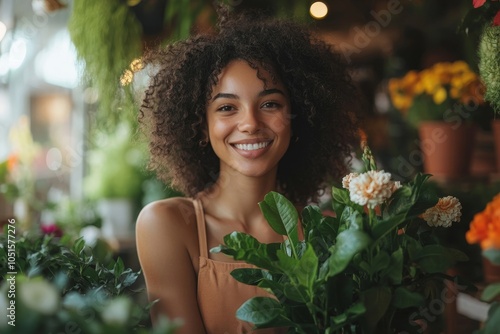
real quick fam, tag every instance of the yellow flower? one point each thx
(439, 95)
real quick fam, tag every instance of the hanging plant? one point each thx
(489, 64)
(107, 37)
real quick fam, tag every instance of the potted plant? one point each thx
(375, 267)
(484, 230)
(441, 102)
(115, 180)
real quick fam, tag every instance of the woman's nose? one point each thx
(250, 122)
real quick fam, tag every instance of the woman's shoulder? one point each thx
(175, 212)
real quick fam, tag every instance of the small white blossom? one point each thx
(347, 180)
(117, 311)
(39, 295)
(444, 213)
(371, 188)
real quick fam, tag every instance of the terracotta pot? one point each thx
(495, 127)
(491, 271)
(447, 148)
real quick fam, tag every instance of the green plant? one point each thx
(489, 64)
(61, 285)
(115, 166)
(107, 37)
(369, 269)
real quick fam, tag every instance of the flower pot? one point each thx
(491, 271)
(447, 148)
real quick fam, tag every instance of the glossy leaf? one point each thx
(404, 298)
(490, 292)
(301, 271)
(348, 244)
(242, 246)
(394, 271)
(260, 311)
(377, 301)
(281, 216)
(436, 258)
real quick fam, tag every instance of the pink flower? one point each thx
(51, 229)
(496, 19)
(478, 3)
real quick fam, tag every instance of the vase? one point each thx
(491, 271)
(447, 148)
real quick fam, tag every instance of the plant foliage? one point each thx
(366, 270)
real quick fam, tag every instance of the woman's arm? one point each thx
(166, 237)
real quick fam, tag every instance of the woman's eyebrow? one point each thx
(236, 97)
(271, 91)
(225, 95)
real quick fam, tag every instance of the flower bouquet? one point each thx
(376, 266)
(485, 231)
(444, 92)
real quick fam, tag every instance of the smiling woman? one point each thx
(258, 106)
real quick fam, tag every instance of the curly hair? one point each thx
(322, 95)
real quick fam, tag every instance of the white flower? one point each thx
(444, 213)
(39, 295)
(347, 180)
(117, 311)
(371, 188)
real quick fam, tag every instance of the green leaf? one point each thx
(436, 258)
(386, 225)
(260, 311)
(301, 272)
(394, 271)
(376, 301)
(340, 198)
(250, 276)
(281, 216)
(490, 292)
(244, 247)
(404, 298)
(493, 321)
(351, 219)
(78, 246)
(297, 293)
(352, 312)
(348, 244)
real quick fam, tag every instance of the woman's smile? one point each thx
(248, 120)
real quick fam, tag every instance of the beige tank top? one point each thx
(219, 294)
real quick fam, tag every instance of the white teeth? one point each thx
(251, 147)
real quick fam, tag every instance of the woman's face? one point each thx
(248, 124)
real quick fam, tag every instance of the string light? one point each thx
(318, 10)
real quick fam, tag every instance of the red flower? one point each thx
(496, 19)
(478, 3)
(51, 229)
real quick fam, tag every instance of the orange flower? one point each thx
(485, 226)
(12, 162)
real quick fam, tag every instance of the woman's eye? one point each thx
(225, 108)
(271, 105)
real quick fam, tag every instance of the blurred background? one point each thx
(70, 84)
(72, 161)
